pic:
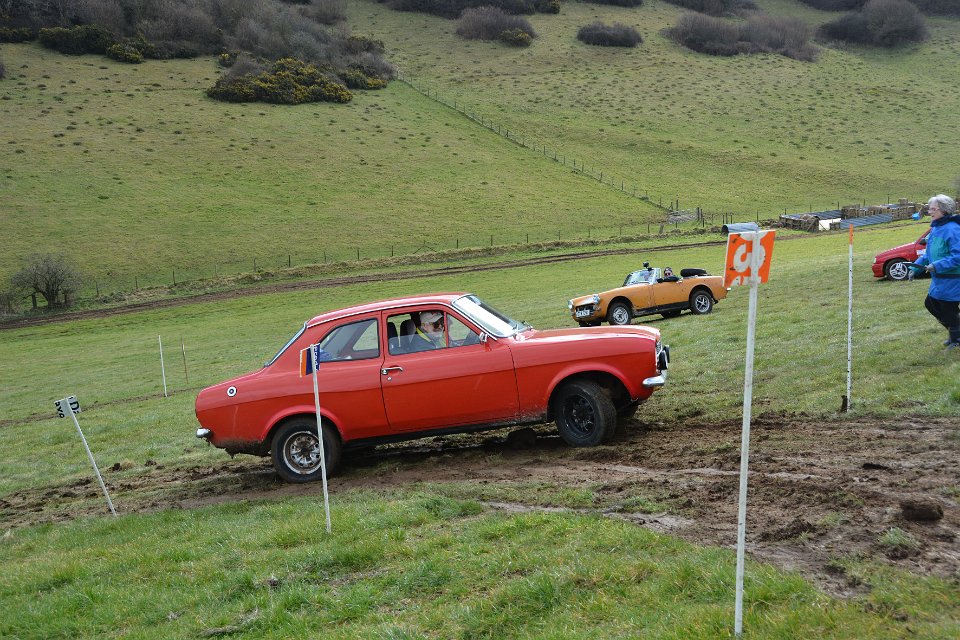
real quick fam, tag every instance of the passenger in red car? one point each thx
(429, 334)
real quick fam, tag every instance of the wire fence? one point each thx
(103, 287)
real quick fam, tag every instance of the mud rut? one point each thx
(818, 491)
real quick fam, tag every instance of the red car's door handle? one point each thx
(387, 370)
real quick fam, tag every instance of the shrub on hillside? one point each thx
(929, 7)
(487, 23)
(87, 38)
(454, 8)
(288, 81)
(938, 7)
(709, 7)
(850, 27)
(759, 34)
(547, 6)
(883, 23)
(357, 79)
(603, 35)
(124, 52)
(328, 12)
(619, 3)
(706, 34)
(515, 38)
(894, 22)
(835, 5)
(20, 34)
(789, 37)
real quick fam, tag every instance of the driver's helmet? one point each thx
(667, 272)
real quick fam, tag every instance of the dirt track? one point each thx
(818, 491)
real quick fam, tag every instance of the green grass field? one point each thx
(133, 172)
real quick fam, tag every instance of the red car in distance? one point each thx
(892, 263)
(383, 377)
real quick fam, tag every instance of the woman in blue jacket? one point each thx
(942, 262)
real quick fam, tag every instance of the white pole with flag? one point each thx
(745, 434)
(323, 459)
(849, 403)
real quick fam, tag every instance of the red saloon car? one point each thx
(421, 366)
(892, 263)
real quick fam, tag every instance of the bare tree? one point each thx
(50, 275)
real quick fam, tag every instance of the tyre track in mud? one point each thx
(325, 283)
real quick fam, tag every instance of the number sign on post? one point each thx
(71, 407)
(748, 262)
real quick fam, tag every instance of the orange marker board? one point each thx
(739, 247)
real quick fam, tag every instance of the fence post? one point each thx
(174, 276)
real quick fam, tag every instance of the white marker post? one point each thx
(163, 372)
(323, 457)
(748, 262)
(70, 406)
(849, 403)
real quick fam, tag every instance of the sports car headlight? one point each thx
(596, 298)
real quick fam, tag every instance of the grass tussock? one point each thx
(789, 37)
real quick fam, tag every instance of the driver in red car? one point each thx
(429, 334)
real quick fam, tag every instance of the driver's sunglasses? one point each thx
(436, 325)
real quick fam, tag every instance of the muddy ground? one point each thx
(818, 491)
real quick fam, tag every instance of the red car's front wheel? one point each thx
(897, 270)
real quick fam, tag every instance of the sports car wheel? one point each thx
(296, 451)
(618, 313)
(585, 415)
(701, 303)
(897, 270)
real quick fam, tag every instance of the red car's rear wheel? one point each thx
(296, 451)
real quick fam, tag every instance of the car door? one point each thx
(669, 293)
(464, 381)
(348, 376)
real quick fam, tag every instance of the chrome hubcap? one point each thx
(898, 271)
(302, 453)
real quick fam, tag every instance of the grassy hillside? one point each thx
(744, 133)
(133, 171)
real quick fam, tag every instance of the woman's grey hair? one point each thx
(947, 204)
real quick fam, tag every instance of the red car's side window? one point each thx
(354, 341)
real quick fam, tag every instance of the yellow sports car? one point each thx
(647, 291)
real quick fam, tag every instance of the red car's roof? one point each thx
(430, 298)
